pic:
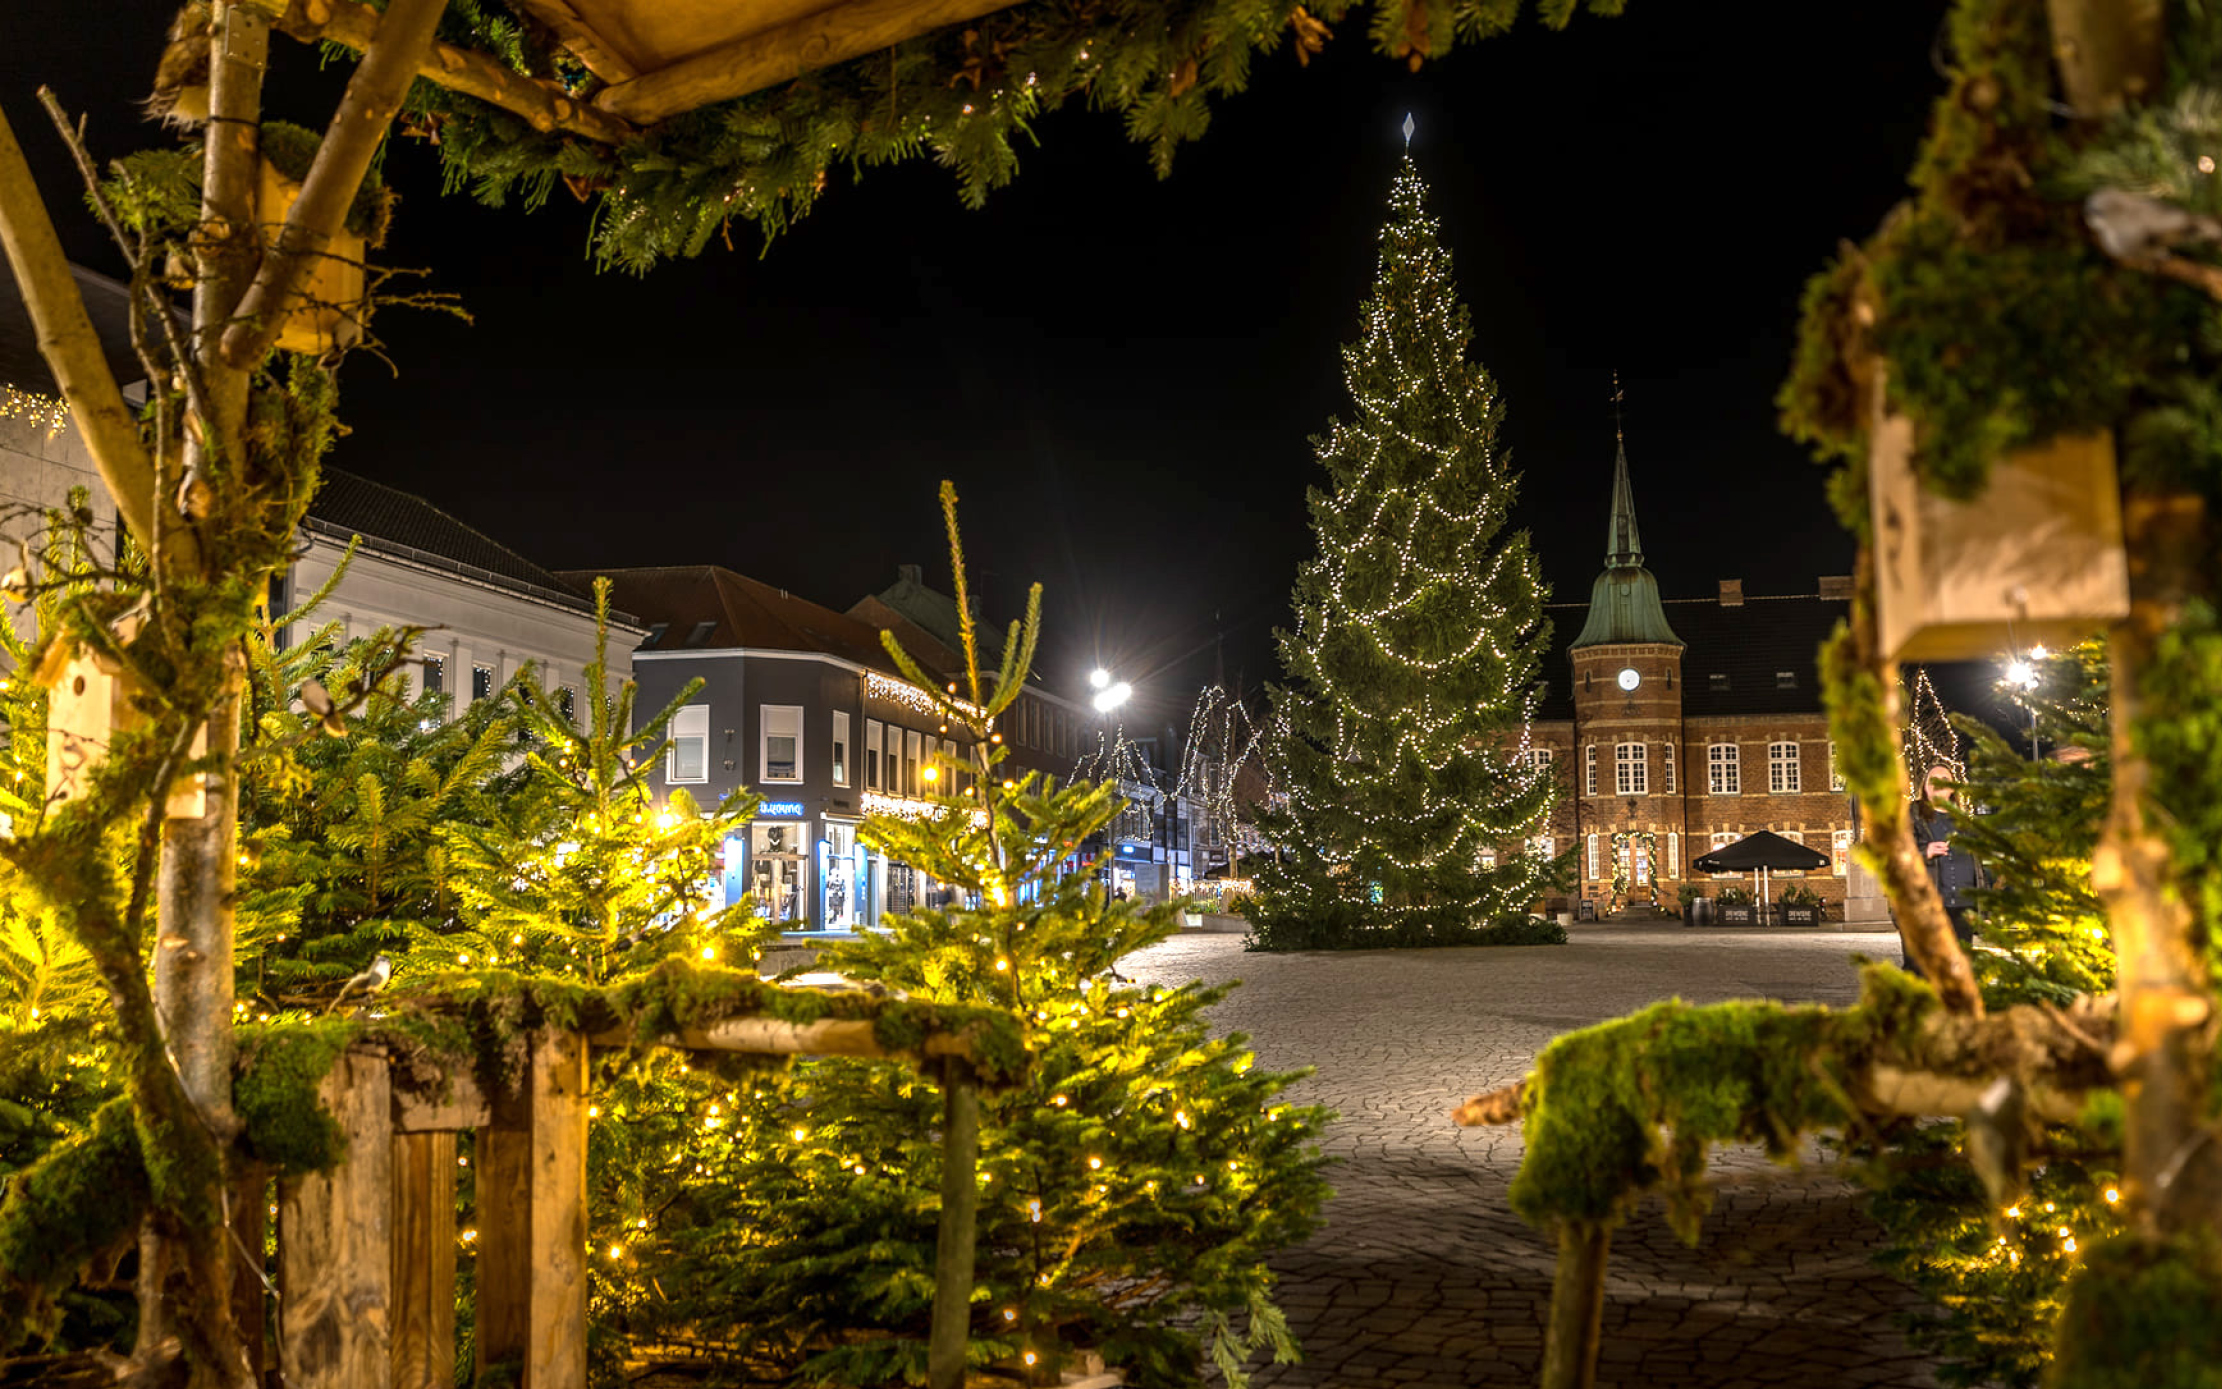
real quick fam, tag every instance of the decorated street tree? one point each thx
(1411, 670)
(1130, 1189)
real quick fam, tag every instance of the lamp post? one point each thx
(1110, 694)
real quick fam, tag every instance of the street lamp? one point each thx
(1110, 696)
(2022, 675)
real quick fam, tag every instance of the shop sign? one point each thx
(780, 810)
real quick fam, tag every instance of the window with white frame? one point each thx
(1543, 846)
(1840, 852)
(689, 758)
(1836, 773)
(1487, 858)
(913, 742)
(1666, 766)
(1723, 838)
(871, 754)
(840, 763)
(435, 675)
(1589, 772)
(1593, 874)
(1538, 757)
(1724, 774)
(780, 751)
(1631, 774)
(1782, 768)
(482, 682)
(567, 703)
(1673, 854)
(1797, 838)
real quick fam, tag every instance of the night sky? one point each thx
(1122, 373)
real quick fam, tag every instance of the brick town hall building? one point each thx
(1680, 725)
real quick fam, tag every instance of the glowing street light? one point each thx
(1099, 679)
(1109, 697)
(2021, 674)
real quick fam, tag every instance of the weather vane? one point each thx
(1409, 127)
(1617, 394)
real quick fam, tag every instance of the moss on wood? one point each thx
(83, 1199)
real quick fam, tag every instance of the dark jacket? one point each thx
(1956, 873)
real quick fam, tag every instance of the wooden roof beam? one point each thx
(784, 53)
(543, 105)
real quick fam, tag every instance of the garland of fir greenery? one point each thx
(965, 96)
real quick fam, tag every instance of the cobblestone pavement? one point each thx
(1424, 1277)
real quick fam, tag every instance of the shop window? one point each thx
(777, 870)
(841, 879)
(781, 749)
(689, 758)
(1724, 774)
(1782, 768)
(1840, 852)
(871, 754)
(840, 764)
(1631, 773)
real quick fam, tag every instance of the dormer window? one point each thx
(702, 630)
(1786, 679)
(1717, 682)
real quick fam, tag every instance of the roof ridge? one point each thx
(331, 471)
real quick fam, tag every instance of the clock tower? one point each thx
(1629, 756)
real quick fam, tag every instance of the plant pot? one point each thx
(1739, 914)
(1795, 914)
(2040, 548)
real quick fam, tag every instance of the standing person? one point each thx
(1952, 869)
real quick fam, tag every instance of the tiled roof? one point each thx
(1748, 647)
(108, 303)
(701, 607)
(398, 523)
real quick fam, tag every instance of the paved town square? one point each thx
(1423, 1276)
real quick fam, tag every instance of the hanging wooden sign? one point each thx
(2034, 558)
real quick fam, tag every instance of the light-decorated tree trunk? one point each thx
(214, 530)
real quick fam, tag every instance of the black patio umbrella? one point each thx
(1762, 850)
(1760, 854)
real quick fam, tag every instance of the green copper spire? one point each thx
(1624, 602)
(1623, 547)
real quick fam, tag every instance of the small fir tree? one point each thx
(1131, 1188)
(1419, 630)
(1997, 1274)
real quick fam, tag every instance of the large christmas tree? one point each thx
(1419, 627)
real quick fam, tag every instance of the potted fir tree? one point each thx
(1737, 907)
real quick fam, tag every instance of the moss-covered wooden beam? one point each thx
(1619, 1109)
(545, 106)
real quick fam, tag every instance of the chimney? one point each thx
(1837, 587)
(1732, 593)
(908, 573)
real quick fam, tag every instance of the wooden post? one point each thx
(423, 1260)
(503, 1215)
(250, 1224)
(335, 1253)
(1577, 1307)
(532, 1222)
(953, 1246)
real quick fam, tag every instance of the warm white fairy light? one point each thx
(47, 412)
